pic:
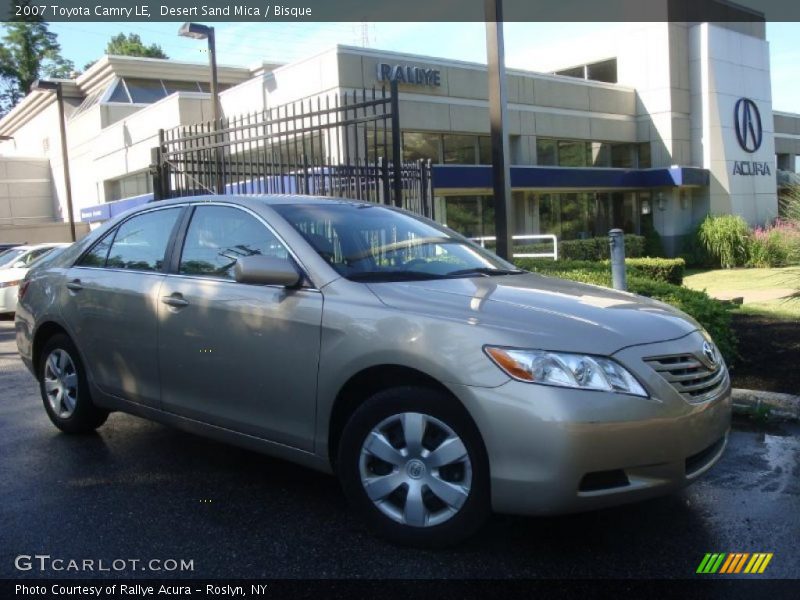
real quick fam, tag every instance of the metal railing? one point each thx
(344, 144)
(543, 236)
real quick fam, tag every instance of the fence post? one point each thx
(616, 242)
(397, 172)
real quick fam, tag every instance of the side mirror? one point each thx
(266, 270)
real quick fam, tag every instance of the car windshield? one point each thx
(370, 242)
(9, 257)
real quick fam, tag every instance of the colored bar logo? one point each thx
(734, 562)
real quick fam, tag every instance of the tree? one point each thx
(131, 45)
(29, 51)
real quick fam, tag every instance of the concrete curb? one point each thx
(769, 405)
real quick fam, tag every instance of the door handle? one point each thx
(176, 301)
(75, 285)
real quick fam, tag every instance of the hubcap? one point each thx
(415, 469)
(61, 383)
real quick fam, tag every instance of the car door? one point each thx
(110, 302)
(240, 356)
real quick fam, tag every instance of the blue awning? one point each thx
(480, 177)
(108, 210)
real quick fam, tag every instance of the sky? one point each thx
(250, 43)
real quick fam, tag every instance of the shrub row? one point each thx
(713, 315)
(668, 270)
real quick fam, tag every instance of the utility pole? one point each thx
(501, 175)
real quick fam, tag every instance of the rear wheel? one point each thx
(65, 390)
(412, 461)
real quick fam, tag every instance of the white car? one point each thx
(14, 264)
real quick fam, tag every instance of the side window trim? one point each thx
(175, 243)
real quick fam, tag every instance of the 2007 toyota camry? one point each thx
(435, 379)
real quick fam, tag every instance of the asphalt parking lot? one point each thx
(138, 490)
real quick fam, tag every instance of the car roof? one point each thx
(268, 199)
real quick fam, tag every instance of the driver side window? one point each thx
(219, 235)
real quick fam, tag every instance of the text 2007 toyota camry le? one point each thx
(436, 380)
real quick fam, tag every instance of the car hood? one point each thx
(561, 315)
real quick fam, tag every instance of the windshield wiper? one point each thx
(485, 271)
(391, 276)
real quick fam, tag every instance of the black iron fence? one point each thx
(346, 144)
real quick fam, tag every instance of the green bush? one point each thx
(595, 248)
(726, 238)
(713, 315)
(652, 240)
(669, 270)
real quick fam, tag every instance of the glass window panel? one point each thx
(546, 152)
(119, 94)
(144, 91)
(141, 242)
(484, 150)
(379, 143)
(645, 159)
(459, 149)
(601, 154)
(418, 145)
(598, 214)
(550, 214)
(219, 235)
(574, 208)
(463, 214)
(96, 257)
(622, 156)
(573, 153)
(181, 86)
(603, 71)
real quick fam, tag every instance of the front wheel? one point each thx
(413, 463)
(65, 389)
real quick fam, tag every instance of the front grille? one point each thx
(690, 377)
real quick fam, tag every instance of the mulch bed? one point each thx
(769, 352)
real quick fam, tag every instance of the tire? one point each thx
(65, 389)
(422, 498)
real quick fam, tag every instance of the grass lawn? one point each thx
(765, 291)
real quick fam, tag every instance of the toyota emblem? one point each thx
(710, 353)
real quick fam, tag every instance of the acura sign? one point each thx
(749, 134)
(748, 125)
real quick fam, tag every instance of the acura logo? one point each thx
(710, 354)
(748, 124)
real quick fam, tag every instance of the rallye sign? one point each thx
(409, 74)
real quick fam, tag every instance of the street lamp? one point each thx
(198, 31)
(55, 86)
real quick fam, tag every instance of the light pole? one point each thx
(55, 86)
(501, 185)
(198, 31)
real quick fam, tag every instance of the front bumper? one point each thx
(557, 450)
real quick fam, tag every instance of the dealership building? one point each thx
(654, 127)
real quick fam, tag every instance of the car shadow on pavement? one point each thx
(149, 487)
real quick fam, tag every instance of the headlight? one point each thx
(566, 370)
(5, 284)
